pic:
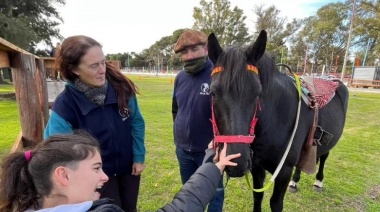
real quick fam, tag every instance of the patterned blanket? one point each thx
(318, 91)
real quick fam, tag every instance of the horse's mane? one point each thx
(267, 69)
(235, 76)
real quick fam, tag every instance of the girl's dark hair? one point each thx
(25, 183)
(69, 57)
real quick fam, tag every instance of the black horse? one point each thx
(246, 85)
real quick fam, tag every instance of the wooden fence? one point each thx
(29, 79)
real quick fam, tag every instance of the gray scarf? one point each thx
(96, 95)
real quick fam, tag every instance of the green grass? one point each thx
(6, 88)
(10, 125)
(352, 174)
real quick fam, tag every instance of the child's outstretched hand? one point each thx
(225, 160)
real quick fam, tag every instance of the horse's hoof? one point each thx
(292, 189)
(317, 189)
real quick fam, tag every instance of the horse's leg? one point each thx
(318, 185)
(258, 175)
(293, 184)
(280, 185)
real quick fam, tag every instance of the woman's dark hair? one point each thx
(24, 183)
(69, 57)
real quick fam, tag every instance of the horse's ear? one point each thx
(256, 51)
(214, 49)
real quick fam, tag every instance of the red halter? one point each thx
(245, 139)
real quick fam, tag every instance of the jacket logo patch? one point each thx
(205, 89)
(126, 116)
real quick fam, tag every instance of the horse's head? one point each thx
(235, 88)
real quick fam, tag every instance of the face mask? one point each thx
(195, 66)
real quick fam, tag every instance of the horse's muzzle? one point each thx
(240, 170)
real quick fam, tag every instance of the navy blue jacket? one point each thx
(121, 138)
(191, 110)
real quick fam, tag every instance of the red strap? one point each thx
(213, 121)
(245, 139)
(253, 124)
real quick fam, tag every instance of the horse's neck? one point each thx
(278, 103)
(278, 88)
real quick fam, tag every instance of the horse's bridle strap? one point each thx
(249, 68)
(245, 139)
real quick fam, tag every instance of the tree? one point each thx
(27, 23)
(278, 30)
(324, 35)
(161, 54)
(367, 27)
(227, 24)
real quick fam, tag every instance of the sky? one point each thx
(134, 25)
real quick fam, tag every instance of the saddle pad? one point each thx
(317, 89)
(322, 90)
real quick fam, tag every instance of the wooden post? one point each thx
(42, 91)
(29, 79)
(26, 77)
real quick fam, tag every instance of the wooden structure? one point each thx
(362, 83)
(115, 63)
(49, 64)
(29, 78)
(365, 77)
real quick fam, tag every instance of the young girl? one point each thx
(64, 173)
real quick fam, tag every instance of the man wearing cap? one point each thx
(191, 108)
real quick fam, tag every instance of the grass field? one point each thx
(10, 125)
(6, 88)
(352, 176)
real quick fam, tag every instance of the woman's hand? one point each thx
(137, 168)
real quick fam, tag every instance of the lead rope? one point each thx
(271, 181)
